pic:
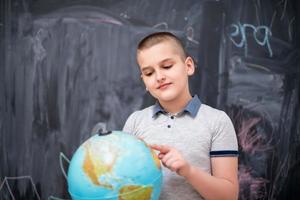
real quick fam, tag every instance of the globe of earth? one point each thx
(115, 166)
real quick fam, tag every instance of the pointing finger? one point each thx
(162, 148)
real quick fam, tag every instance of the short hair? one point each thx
(158, 37)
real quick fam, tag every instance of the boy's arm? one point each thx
(223, 184)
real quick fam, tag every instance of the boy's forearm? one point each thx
(211, 187)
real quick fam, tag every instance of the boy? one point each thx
(196, 143)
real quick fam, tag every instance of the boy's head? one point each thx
(164, 66)
(159, 37)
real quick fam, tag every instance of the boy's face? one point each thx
(165, 72)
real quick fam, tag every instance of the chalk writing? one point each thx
(240, 30)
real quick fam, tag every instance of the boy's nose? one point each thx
(160, 76)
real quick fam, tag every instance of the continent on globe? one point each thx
(133, 192)
(95, 166)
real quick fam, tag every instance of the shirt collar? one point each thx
(192, 107)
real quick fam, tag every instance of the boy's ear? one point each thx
(189, 63)
(142, 79)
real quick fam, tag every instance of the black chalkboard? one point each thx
(67, 65)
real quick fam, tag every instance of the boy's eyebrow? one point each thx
(160, 62)
(145, 68)
(165, 60)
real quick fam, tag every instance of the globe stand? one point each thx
(103, 132)
(100, 129)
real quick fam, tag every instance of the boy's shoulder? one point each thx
(143, 113)
(208, 110)
(211, 114)
(138, 119)
(215, 118)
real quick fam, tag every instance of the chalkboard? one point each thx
(263, 94)
(67, 65)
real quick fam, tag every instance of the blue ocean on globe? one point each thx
(116, 166)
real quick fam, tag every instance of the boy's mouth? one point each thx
(163, 86)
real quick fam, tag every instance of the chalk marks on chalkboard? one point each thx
(256, 146)
(273, 18)
(161, 25)
(92, 14)
(285, 65)
(56, 198)
(190, 35)
(62, 157)
(290, 29)
(125, 15)
(284, 8)
(6, 180)
(290, 25)
(261, 35)
(5, 184)
(39, 51)
(189, 31)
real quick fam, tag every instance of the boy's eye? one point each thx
(167, 66)
(148, 73)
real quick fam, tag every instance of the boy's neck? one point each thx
(176, 105)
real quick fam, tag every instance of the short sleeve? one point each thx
(224, 140)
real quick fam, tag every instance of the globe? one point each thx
(115, 166)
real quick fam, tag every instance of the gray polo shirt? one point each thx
(199, 132)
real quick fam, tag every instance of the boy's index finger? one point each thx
(140, 138)
(160, 148)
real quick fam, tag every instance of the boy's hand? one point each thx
(172, 159)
